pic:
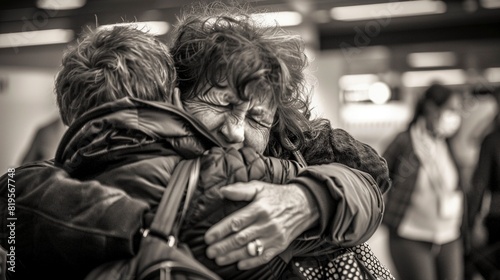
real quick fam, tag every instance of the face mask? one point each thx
(448, 124)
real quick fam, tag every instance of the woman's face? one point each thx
(445, 121)
(234, 122)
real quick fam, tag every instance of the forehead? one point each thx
(263, 101)
(255, 93)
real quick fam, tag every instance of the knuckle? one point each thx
(241, 238)
(266, 257)
(236, 224)
(276, 227)
(218, 250)
(223, 248)
(220, 261)
(233, 244)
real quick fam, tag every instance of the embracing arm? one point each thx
(347, 178)
(340, 205)
(349, 201)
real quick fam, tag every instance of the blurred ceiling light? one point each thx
(360, 80)
(431, 59)
(490, 4)
(362, 113)
(379, 93)
(60, 4)
(288, 18)
(492, 74)
(388, 10)
(426, 78)
(321, 16)
(155, 28)
(33, 38)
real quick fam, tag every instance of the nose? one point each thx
(233, 130)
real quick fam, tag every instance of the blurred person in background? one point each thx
(486, 188)
(44, 144)
(425, 207)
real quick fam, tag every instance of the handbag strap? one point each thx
(296, 153)
(183, 180)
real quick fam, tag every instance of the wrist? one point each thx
(309, 205)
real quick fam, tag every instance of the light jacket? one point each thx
(404, 166)
(109, 174)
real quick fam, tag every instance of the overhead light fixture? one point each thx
(364, 87)
(431, 59)
(426, 78)
(288, 18)
(492, 75)
(369, 116)
(33, 38)
(490, 4)
(155, 28)
(357, 80)
(379, 93)
(388, 10)
(60, 4)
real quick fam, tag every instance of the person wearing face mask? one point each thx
(425, 207)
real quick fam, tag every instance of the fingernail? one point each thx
(241, 266)
(211, 253)
(220, 261)
(209, 239)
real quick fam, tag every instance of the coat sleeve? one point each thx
(90, 223)
(347, 178)
(482, 178)
(350, 203)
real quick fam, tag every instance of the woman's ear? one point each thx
(176, 100)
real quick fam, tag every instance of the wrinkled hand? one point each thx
(277, 215)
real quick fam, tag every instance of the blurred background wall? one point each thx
(370, 60)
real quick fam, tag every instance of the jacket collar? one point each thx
(130, 128)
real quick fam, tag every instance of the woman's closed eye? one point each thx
(260, 117)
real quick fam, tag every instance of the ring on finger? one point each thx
(255, 248)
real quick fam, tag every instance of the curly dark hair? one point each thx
(220, 43)
(216, 42)
(109, 63)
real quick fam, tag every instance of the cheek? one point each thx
(256, 138)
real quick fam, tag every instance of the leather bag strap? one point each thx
(184, 180)
(296, 153)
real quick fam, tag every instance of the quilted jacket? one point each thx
(109, 174)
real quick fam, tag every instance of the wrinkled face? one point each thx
(234, 122)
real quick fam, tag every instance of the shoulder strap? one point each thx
(183, 180)
(296, 153)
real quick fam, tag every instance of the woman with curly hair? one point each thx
(246, 83)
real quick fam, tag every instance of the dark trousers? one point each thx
(418, 260)
(486, 260)
(493, 228)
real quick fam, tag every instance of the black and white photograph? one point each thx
(242, 140)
